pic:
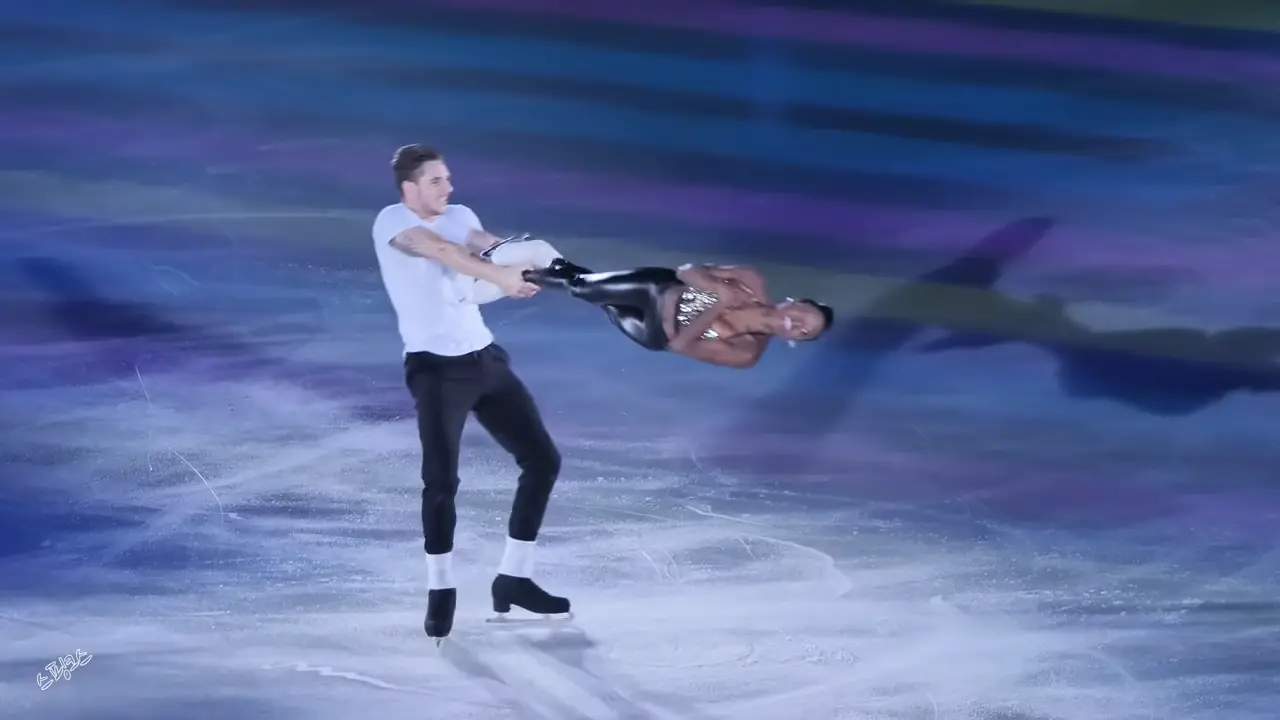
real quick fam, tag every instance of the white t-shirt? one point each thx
(432, 315)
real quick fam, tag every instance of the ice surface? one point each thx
(210, 473)
(217, 499)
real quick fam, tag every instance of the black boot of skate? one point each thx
(560, 273)
(440, 607)
(524, 593)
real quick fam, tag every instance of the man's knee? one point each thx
(439, 482)
(541, 461)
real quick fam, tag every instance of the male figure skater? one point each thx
(429, 254)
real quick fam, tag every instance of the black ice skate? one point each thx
(440, 607)
(525, 593)
(560, 273)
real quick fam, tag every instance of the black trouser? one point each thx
(446, 390)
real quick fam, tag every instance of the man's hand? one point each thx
(514, 285)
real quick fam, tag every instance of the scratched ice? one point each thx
(221, 508)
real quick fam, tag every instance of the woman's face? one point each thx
(799, 321)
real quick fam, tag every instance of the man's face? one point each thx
(432, 189)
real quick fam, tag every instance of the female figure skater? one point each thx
(715, 314)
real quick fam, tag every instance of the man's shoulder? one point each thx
(391, 221)
(461, 216)
(390, 210)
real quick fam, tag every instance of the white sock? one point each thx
(517, 559)
(440, 571)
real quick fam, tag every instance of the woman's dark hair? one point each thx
(828, 315)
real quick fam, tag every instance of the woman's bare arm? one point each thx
(703, 277)
(690, 334)
(740, 352)
(746, 276)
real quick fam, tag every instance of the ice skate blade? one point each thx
(506, 619)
